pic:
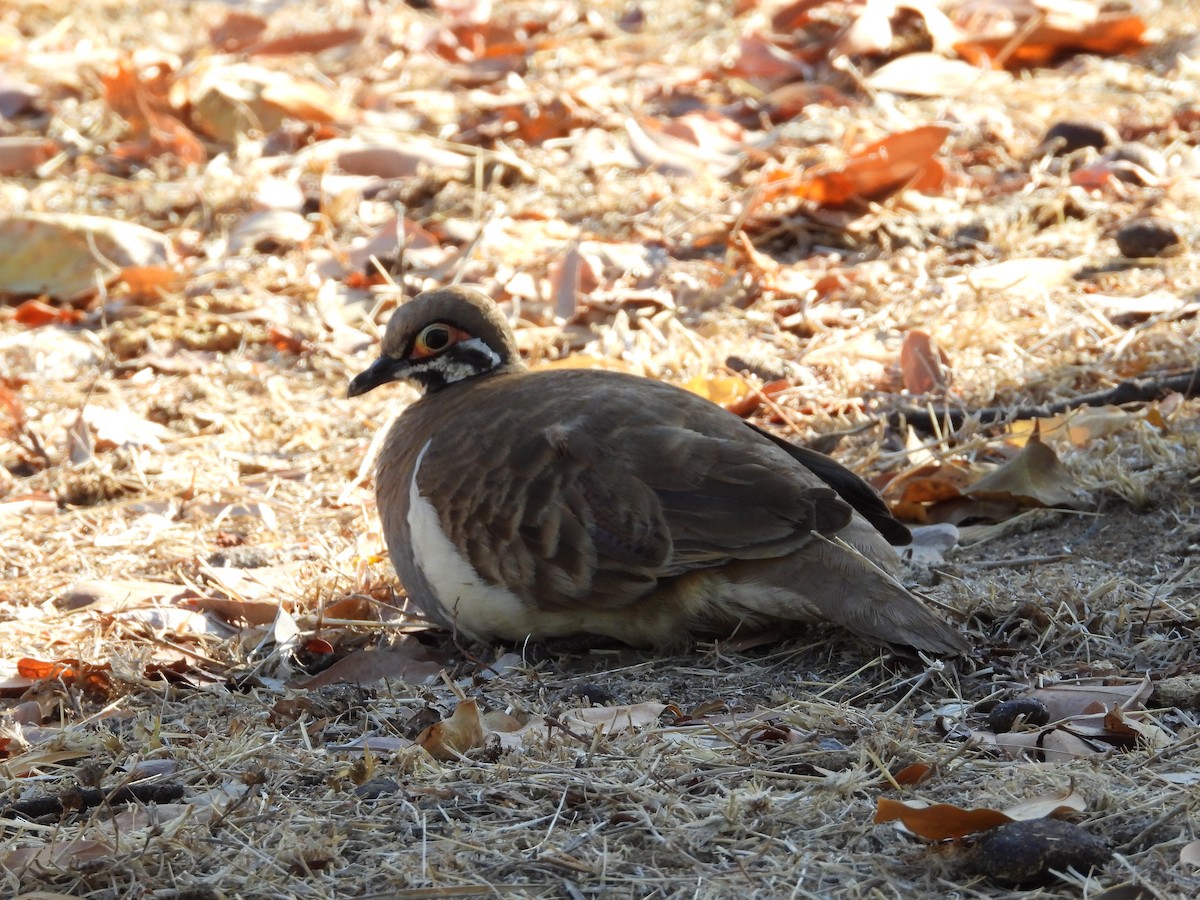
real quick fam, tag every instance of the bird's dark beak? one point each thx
(381, 371)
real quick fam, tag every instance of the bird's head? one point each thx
(441, 337)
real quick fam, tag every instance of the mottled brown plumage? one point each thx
(568, 502)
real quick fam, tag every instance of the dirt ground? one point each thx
(209, 687)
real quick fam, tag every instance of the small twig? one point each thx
(87, 798)
(1017, 561)
(1136, 840)
(1132, 390)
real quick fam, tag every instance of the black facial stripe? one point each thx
(460, 362)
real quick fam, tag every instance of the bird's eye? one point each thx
(432, 339)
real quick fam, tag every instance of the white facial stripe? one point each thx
(484, 350)
(452, 370)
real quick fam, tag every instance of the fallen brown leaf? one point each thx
(1034, 477)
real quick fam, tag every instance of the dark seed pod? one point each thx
(1004, 715)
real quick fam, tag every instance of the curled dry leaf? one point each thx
(237, 31)
(305, 42)
(913, 773)
(451, 738)
(400, 158)
(1048, 806)
(932, 75)
(1088, 720)
(107, 595)
(55, 856)
(143, 104)
(924, 366)
(268, 229)
(1062, 701)
(760, 58)
(871, 31)
(114, 428)
(611, 719)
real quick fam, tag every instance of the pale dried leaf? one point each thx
(67, 256)
(933, 75)
(407, 662)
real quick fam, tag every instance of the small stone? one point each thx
(760, 364)
(376, 788)
(1069, 136)
(1025, 852)
(1145, 238)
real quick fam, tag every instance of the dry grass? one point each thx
(259, 466)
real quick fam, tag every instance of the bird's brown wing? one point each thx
(602, 504)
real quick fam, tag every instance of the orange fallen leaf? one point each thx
(287, 341)
(914, 773)
(154, 130)
(456, 735)
(35, 314)
(93, 679)
(930, 483)
(237, 31)
(899, 161)
(147, 283)
(754, 399)
(724, 390)
(939, 822)
(356, 607)
(944, 821)
(1107, 35)
(760, 57)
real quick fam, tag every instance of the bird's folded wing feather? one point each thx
(602, 515)
(858, 493)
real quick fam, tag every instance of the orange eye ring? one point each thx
(434, 339)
